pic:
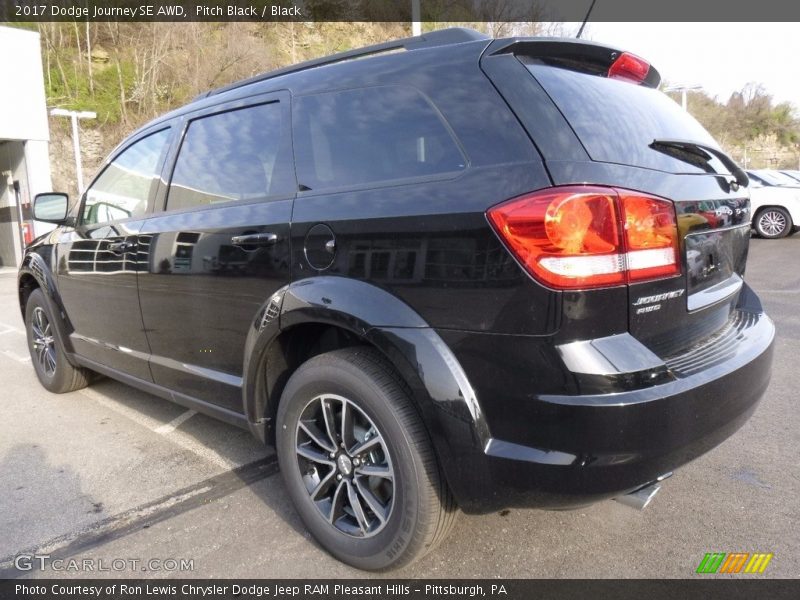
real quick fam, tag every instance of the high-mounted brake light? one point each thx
(581, 237)
(629, 67)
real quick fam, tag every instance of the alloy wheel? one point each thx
(772, 222)
(345, 466)
(43, 342)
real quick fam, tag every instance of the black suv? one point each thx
(474, 274)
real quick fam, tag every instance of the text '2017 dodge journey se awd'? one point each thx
(471, 274)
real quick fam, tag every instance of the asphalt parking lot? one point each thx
(113, 473)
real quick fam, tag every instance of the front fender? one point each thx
(438, 384)
(36, 264)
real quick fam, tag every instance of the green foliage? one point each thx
(68, 87)
(748, 114)
(750, 126)
(140, 70)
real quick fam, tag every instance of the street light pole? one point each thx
(683, 88)
(74, 115)
(416, 25)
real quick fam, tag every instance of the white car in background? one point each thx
(774, 203)
(793, 174)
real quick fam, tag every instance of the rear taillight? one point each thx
(586, 236)
(629, 67)
(651, 236)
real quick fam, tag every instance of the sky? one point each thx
(722, 57)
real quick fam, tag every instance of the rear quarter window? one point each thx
(616, 121)
(369, 135)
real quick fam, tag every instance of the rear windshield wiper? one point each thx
(706, 152)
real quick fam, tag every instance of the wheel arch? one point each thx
(325, 313)
(35, 273)
(765, 207)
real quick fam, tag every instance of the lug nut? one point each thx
(356, 461)
(332, 454)
(339, 477)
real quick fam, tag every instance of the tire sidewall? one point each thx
(387, 547)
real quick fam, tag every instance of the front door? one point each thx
(221, 247)
(98, 260)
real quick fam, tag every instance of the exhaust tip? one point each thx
(642, 497)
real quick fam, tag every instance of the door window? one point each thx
(232, 156)
(123, 189)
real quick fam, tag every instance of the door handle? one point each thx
(121, 247)
(255, 239)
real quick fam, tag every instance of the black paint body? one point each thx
(532, 396)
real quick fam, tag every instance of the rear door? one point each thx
(99, 260)
(220, 247)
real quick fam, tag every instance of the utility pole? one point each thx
(416, 24)
(74, 115)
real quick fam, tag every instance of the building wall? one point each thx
(23, 107)
(24, 137)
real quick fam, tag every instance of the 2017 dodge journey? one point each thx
(457, 272)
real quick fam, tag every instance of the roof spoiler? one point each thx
(568, 53)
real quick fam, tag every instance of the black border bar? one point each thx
(398, 10)
(739, 588)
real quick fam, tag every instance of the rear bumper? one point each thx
(562, 451)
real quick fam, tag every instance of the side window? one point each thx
(236, 155)
(366, 135)
(123, 188)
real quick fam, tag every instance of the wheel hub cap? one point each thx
(773, 222)
(345, 464)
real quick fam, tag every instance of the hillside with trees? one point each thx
(129, 73)
(750, 126)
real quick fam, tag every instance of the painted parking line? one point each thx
(177, 437)
(77, 543)
(5, 328)
(175, 423)
(17, 357)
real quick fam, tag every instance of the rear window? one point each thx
(369, 135)
(617, 121)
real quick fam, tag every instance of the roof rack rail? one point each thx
(441, 37)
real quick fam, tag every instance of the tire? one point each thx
(406, 506)
(52, 368)
(773, 223)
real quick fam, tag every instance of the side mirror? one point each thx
(51, 207)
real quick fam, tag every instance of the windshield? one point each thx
(775, 178)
